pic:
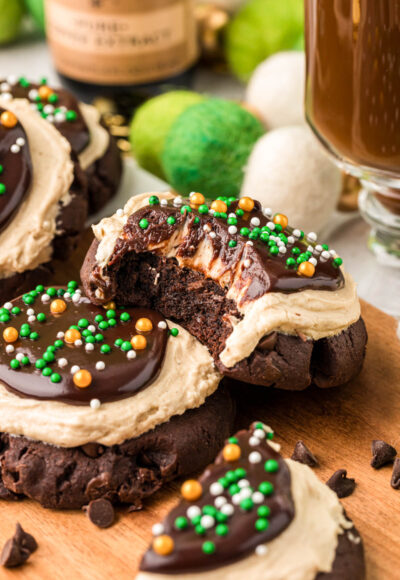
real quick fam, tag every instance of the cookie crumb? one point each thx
(101, 513)
(302, 454)
(17, 549)
(382, 453)
(395, 481)
(342, 485)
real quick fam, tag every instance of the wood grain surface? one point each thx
(338, 425)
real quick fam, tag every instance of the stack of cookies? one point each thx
(111, 390)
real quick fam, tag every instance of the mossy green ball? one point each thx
(261, 28)
(36, 9)
(151, 124)
(11, 13)
(208, 147)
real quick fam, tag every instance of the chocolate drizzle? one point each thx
(242, 537)
(76, 132)
(122, 377)
(16, 172)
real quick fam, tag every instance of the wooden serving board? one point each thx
(337, 424)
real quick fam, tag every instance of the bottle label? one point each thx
(121, 41)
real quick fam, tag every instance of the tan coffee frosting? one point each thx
(305, 548)
(99, 137)
(313, 313)
(187, 378)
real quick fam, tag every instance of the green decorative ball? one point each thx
(208, 147)
(261, 28)
(151, 124)
(36, 9)
(10, 19)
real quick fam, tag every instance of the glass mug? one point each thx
(353, 103)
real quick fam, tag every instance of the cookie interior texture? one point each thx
(254, 515)
(262, 322)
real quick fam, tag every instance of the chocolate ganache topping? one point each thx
(269, 255)
(15, 165)
(241, 501)
(57, 106)
(56, 345)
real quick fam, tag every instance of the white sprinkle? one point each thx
(255, 457)
(78, 342)
(60, 335)
(232, 230)
(15, 148)
(131, 354)
(78, 291)
(63, 108)
(59, 117)
(332, 252)
(62, 362)
(232, 215)
(5, 87)
(162, 324)
(177, 201)
(48, 109)
(212, 235)
(310, 249)
(296, 233)
(19, 356)
(8, 305)
(216, 488)
(163, 201)
(100, 365)
(312, 237)
(88, 346)
(120, 212)
(291, 240)
(261, 550)
(6, 96)
(45, 298)
(227, 509)
(9, 348)
(20, 141)
(282, 249)
(192, 193)
(76, 297)
(318, 248)
(30, 311)
(12, 79)
(33, 94)
(257, 497)
(245, 493)
(313, 261)
(253, 441)
(193, 511)
(67, 295)
(243, 483)
(92, 328)
(247, 263)
(211, 211)
(206, 228)
(50, 118)
(255, 221)
(249, 243)
(157, 529)
(236, 499)
(259, 433)
(325, 255)
(95, 404)
(207, 522)
(220, 501)
(31, 318)
(75, 369)
(267, 212)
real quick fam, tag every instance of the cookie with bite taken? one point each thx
(101, 402)
(80, 124)
(253, 514)
(43, 198)
(272, 304)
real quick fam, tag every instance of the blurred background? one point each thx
(201, 96)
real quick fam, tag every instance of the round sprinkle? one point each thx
(232, 243)
(14, 364)
(257, 497)
(171, 220)
(255, 221)
(263, 511)
(162, 324)
(207, 522)
(9, 348)
(8, 119)
(219, 206)
(191, 490)
(19, 356)
(75, 369)
(55, 378)
(232, 230)
(131, 354)
(208, 547)
(255, 457)
(197, 198)
(125, 316)
(138, 342)
(220, 500)
(247, 504)
(231, 452)
(227, 509)
(163, 545)
(154, 200)
(174, 331)
(82, 378)
(266, 488)
(89, 347)
(158, 529)
(62, 362)
(105, 348)
(261, 524)
(95, 404)
(246, 204)
(100, 365)
(58, 306)
(193, 512)
(216, 488)
(72, 335)
(181, 523)
(306, 269)
(203, 209)
(144, 325)
(10, 334)
(143, 224)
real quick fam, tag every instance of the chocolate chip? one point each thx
(382, 453)
(342, 485)
(101, 512)
(395, 481)
(268, 342)
(302, 454)
(92, 450)
(17, 549)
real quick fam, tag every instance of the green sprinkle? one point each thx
(90, 339)
(337, 262)
(253, 235)
(105, 348)
(39, 288)
(1, 169)
(270, 435)
(232, 221)
(154, 200)
(2, 189)
(231, 199)
(296, 251)
(83, 323)
(224, 482)
(271, 465)
(112, 322)
(210, 510)
(232, 243)
(240, 473)
(125, 316)
(99, 337)
(222, 198)
(290, 262)
(216, 214)
(34, 335)
(111, 313)
(41, 317)
(24, 82)
(143, 223)
(266, 488)
(51, 348)
(220, 517)
(24, 332)
(4, 317)
(266, 229)
(181, 523)
(231, 476)
(72, 284)
(200, 530)
(203, 209)
(263, 511)
(221, 530)
(223, 215)
(60, 292)
(58, 343)
(264, 236)
(98, 318)
(14, 363)
(126, 346)
(196, 520)
(28, 300)
(261, 525)
(171, 220)
(186, 209)
(239, 212)
(278, 228)
(71, 116)
(25, 361)
(51, 291)
(174, 331)
(86, 332)
(49, 356)
(39, 106)
(118, 342)
(274, 250)
(233, 440)
(247, 504)
(55, 378)
(47, 372)
(325, 247)
(244, 231)
(197, 220)
(301, 236)
(75, 327)
(53, 98)
(234, 488)
(103, 325)
(208, 547)
(15, 310)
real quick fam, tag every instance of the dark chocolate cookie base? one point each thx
(199, 304)
(104, 177)
(349, 563)
(68, 478)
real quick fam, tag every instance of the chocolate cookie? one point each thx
(80, 124)
(99, 402)
(273, 307)
(253, 514)
(43, 199)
